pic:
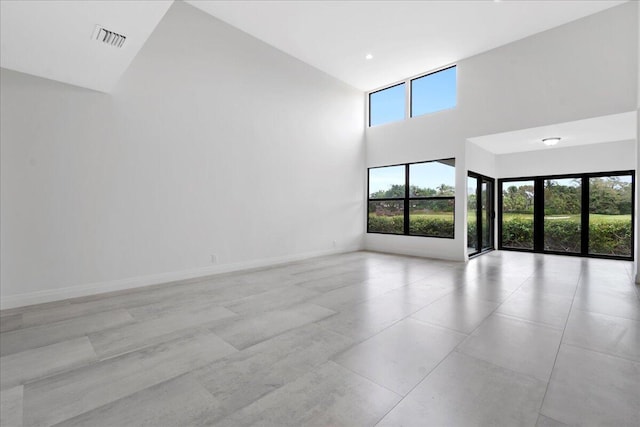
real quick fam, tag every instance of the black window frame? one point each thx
(427, 75)
(538, 219)
(407, 199)
(478, 213)
(403, 83)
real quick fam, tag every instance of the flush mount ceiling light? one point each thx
(368, 56)
(551, 141)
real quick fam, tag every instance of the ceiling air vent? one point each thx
(109, 37)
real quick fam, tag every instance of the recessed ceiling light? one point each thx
(551, 141)
(368, 56)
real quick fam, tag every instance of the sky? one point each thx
(424, 175)
(433, 92)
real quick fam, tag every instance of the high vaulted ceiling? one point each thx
(52, 38)
(405, 37)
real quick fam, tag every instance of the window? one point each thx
(415, 199)
(584, 214)
(433, 92)
(387, 105)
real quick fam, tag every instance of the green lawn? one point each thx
(594, 218)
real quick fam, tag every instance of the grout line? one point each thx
(604, 353)
(452, 351)
(564, 329)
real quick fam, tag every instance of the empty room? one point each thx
(319, 213)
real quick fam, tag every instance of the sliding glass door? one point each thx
(610, 215)
(562, 215)
(586, 214)
(480, 214)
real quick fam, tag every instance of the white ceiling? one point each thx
(405, 37)
(616, 127)
(52, 38)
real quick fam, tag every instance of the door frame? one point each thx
(491, 212)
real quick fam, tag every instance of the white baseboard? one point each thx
(39, 297)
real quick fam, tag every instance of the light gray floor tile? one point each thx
(344, 298)
(591, 388)
(60, 313)
(376, 292)
(399, 357)
(67, 395)
(11, 407)
(180, 305)
(550, 309)
(39, 336)
(247, 331)
(177, 402)
(607, 334)
(548, 422)
(483, 291)
(271, 300)
(417, 294)
(504, 282)
(519, 345)
(465, 391)
(10, 322)
(29, 365)
(559, 284)
(245, 376)
(370, 317)
(620, 305)
(457, 311)
(330, 395)
(326, 284)
(132, 336)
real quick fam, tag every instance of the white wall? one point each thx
(604, 157)
(212, 143)
(586, 68)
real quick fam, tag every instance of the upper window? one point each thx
(387, 105)
(433, 92)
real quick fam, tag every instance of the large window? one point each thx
(415, 199)
(427, 94)
(387, 105)
(433, 92)
(585, 214)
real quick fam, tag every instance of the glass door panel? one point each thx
(486, 198)
(517, 214)
(610, 208)
(479, 213)
(562, 215)
(472, 207)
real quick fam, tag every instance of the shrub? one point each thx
(610, 238)
(431, 226)
(517, 233)
(562, 236)
(420, 225)
(386, 224)
(605, 238)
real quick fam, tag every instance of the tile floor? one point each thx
(360, 339)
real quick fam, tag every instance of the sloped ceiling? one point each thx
(405, 38)
(52, 38)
